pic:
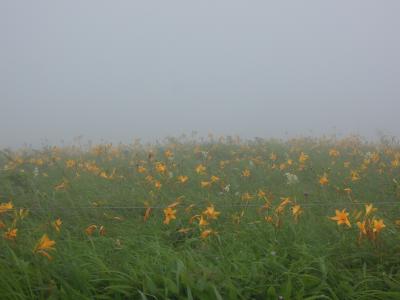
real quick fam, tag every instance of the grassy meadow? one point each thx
(215, 218)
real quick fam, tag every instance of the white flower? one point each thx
(368, 155)
(291, 178)
(227, 188)
(36, 172)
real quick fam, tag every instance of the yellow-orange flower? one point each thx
(70, 163)
(247, 196)
(141, 169)
(341, 217)
(378, 225)
(169, 214)
(205, 184)
(334, 153)
(246, 173)
(296, 211)
(168, 154)
(23, 212)
(38, 162)
(214, 179)
(395, 163)
(45, 244)
(102, 230)
(269, 219)
(323, 180)
(200, 169)
(157, 184)
(369, 208)
(11, 234)
(222, 163)
(103, 174)
(348, 190)
(361, 226)
(183, 178)
(147, 214)
(90, 229)
(61, 186)
(261, 194)
(355, 176)
(202, 221)
(92, 167)
(211, 213)
(281, 207)
(206, 233)
(303, 157)
(160, 167)
(4, 207)
(375, 157)
(184, 230)
(266, 205)
(57, 224)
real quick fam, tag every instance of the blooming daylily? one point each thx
(369, 208)
(206, 233)
(246, 173)
(296, 211)
(169, 214)
(202, 221)
(4, 207)
(200, 169)
(214, 178)
(205, 184)
(341, 217)
(45, 244)
(183, 178)
(323, 180)
(160, 167)
(334, 153)
(211, 213)
(378, 225)
(11, 234)
(361, 226)
(303, 157)
(90, 229)
(57, 224)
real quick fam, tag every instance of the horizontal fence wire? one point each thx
(315, 204)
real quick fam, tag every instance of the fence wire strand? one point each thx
(315, 204)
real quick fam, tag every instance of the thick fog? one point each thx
(118, 70)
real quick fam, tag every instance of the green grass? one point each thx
(312, 258)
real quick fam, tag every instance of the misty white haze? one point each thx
(119, 70)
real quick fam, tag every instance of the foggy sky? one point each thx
(117, 70)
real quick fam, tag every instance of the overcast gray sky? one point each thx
(123, 69)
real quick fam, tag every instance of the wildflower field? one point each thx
(215, 218)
